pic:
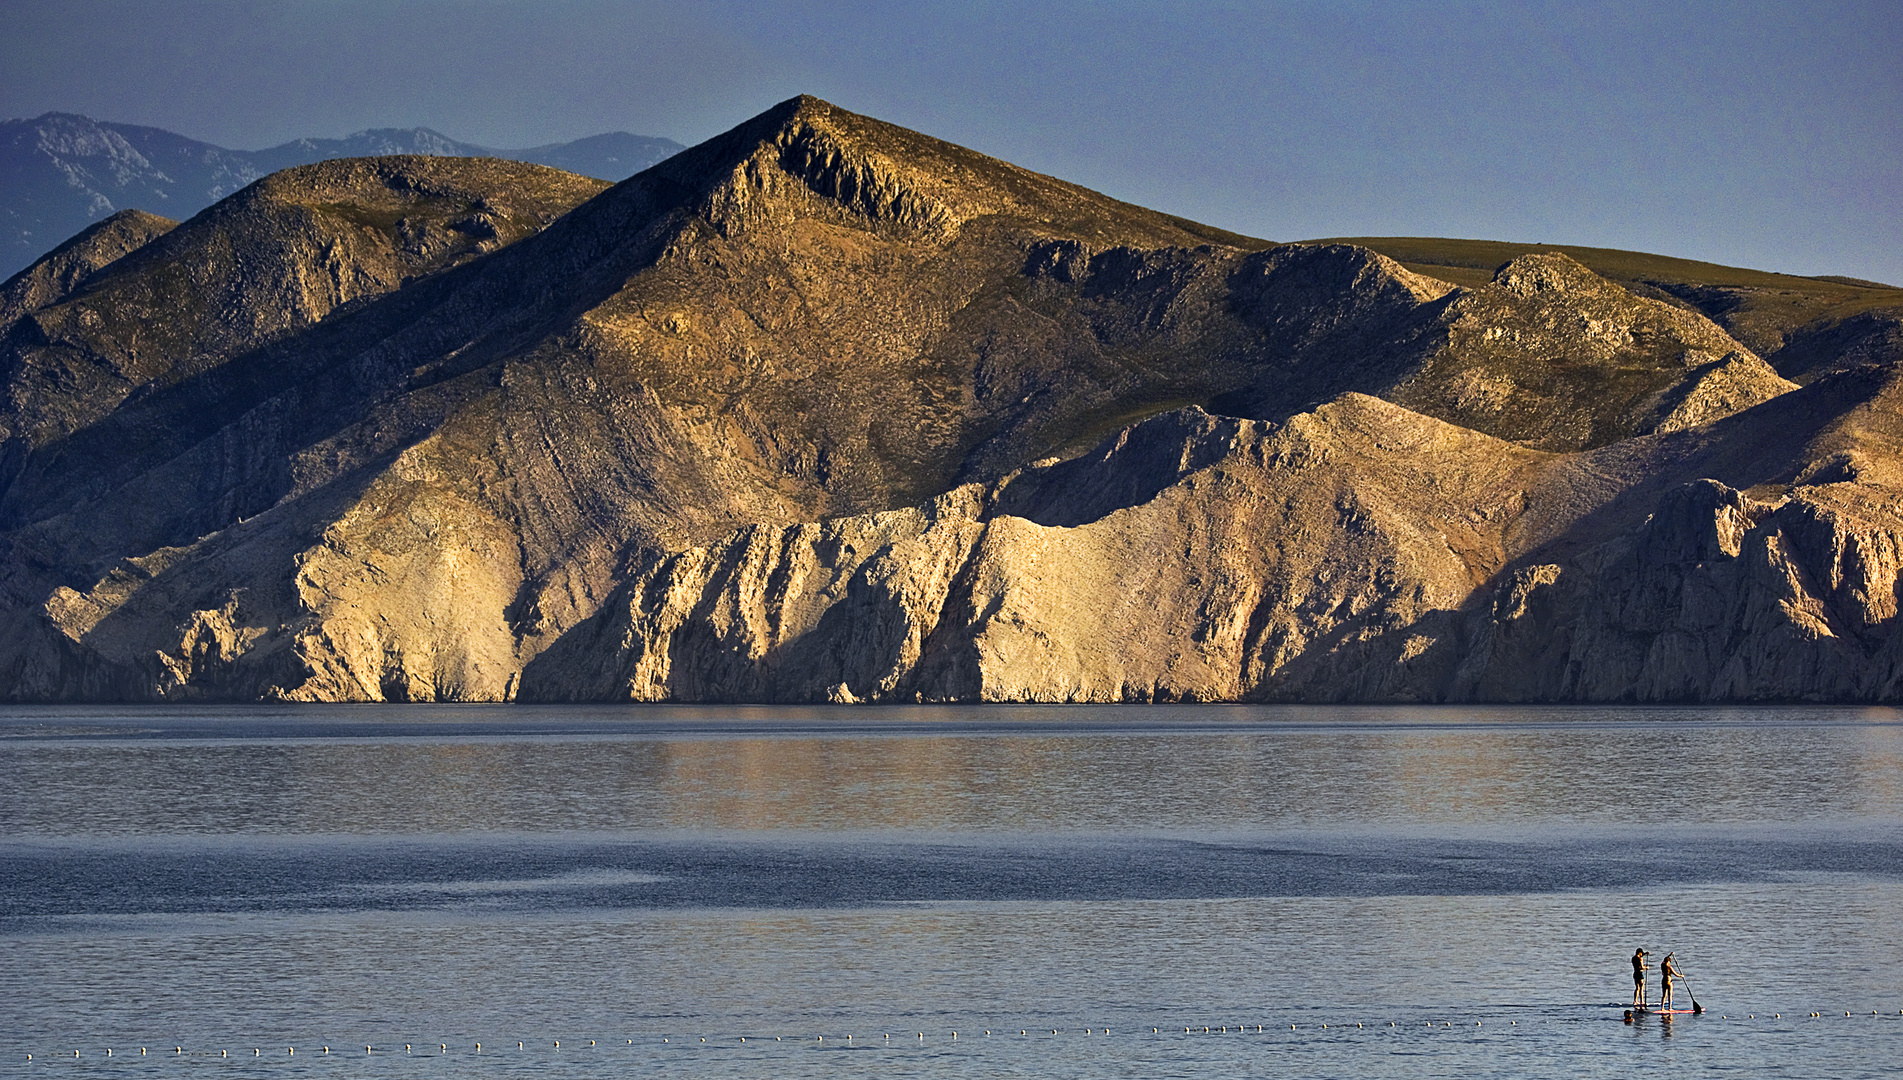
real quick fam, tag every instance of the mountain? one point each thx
(61, 172)
(826, 409)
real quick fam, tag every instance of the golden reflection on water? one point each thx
(1256, 776)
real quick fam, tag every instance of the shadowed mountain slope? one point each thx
(271, 260)
(806, 411)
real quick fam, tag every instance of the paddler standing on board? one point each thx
(1667, 972)
(1638, 978)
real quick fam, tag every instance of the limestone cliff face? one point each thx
(1717, 597)
(1190, 558)
(1361, 552)
(823, 409)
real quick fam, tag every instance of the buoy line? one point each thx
(853, 1041)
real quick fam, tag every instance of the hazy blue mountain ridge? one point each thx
(61, 172)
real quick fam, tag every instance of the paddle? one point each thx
(1696, 1007)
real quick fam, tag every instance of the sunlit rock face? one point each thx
(827, 410)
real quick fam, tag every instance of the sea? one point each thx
(948, 891)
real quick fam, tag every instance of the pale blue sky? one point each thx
(1758, 134)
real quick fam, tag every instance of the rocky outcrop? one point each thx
(1555, 356)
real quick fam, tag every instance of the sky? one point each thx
(1767, 135)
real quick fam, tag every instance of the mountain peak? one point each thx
(806, 156)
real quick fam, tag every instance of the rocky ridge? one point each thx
(823, 409)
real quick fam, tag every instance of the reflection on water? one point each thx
(1474, 877)
(1264, 767)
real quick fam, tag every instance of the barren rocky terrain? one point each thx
(824, 409)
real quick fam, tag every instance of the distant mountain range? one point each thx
(62, 172)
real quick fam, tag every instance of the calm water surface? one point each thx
(827, 892)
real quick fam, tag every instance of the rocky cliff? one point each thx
(824, 409)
